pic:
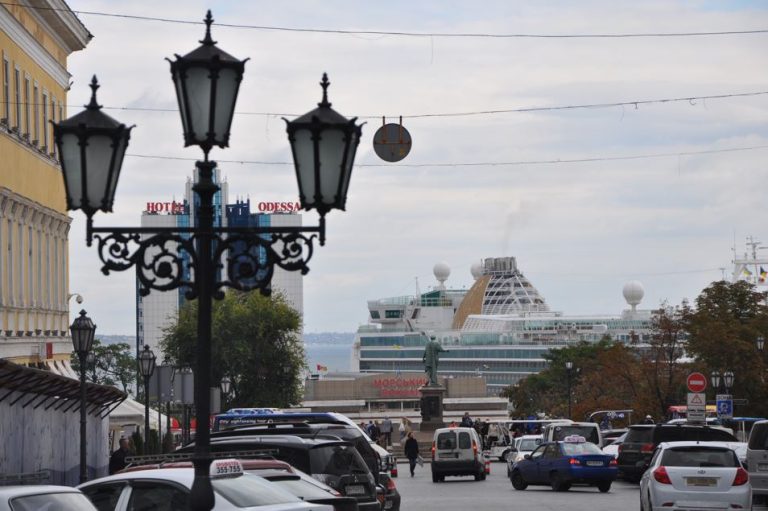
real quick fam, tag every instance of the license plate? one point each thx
(594, 463)
(355, 489)
(388, 504)
(762, 467)
(448, 455)
(700, 481)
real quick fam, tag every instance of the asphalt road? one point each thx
(496, 493)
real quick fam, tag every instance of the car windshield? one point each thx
(758, 438)
(529, 444)
(337, 460)
(250, 490)
(698, 456)
(588, 432)
(574, 449)
(52, 502)
(302, 489)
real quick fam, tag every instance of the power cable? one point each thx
(475, 35)
(482, 164)
(635, 103)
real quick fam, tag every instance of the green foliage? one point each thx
(168, 444)
(138, 443)
(153, 445)
(255, 342)
(114, 365)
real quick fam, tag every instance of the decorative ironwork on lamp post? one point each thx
(83, 331)
(146, 361)
(205, 259)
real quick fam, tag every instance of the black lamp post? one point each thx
(83, 330)
(568, 369)
(146, 369)
(725, 378)
(760, 341)
(225, 385)
(207, 81)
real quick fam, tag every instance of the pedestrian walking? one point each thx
(386, 431)
(411, 451)
(466, 421)
(117, 460)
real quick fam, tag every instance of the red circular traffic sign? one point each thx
(697, 382)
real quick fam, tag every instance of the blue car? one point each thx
(561, 464)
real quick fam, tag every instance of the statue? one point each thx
(431, 359)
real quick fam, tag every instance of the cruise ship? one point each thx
(500, 328)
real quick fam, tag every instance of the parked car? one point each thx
(695, 475)
(757, 460)
(34, 498)
(642, 439)
(457, 452)
(612, 448)
(391, 495)
(564, 463)
(333, 462)
(169, 488)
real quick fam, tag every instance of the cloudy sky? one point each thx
(579, 230)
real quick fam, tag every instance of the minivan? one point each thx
(757, 460)
(457, 452)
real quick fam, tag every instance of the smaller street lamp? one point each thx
(225, 385)
(568, 369)
(728, 381)
(146, 368)
(760, 341)
(714, 377)
(83, 331)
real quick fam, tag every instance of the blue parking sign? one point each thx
(725, 408)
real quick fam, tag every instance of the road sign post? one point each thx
(697, 408)
(724, 404)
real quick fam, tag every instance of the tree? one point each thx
(255, 341)
(723, 329)
(114, 365)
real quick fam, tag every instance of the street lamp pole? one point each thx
(568, 368)
(83, 331)
(92, 146)
(147, 361)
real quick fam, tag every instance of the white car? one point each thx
(168, 489)
(525, 444)
(42, 498)
(613, 447)
(695, 475)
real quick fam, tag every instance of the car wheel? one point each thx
(441, 479)
(518, 483)
(434, 478)
(504, 456)
(557, 483)
(604, 487)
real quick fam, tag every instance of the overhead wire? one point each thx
(401, 33)
(482, 164)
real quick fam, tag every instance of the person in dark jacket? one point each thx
(117, 460)
(411, 451)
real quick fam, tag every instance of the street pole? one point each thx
(83, 397)
(146, 415)
(569, 393)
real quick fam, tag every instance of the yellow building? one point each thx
(35, 41)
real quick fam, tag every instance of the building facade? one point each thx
(35, 41)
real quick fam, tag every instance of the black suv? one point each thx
(642, 439)
(333, 462)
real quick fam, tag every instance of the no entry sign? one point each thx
(697, 382)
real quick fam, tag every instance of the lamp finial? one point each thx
(208, 41)
(324, 84)
(93, 105)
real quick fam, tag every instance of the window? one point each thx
(52, 149)
(70, 501)
(20, 268)
(45, 121)
(6, 92)
(17, 89)
(26, 107)
(104, 497)
(157, 497)
(464, 440)
(39, 267)
(11, 267)
(36, 114)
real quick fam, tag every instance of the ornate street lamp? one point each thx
(728, 381)
(225, 386)
(146, 361)
(714, 377)
(207, 82)
(760, 341)
(83, 331)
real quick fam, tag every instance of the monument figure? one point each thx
(431, 360)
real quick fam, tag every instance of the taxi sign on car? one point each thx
(226, 468)
(574, 439)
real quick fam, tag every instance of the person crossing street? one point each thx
(411, 451)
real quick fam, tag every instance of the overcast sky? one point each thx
(579, 230)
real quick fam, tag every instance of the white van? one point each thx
(757, 461)
(589, 430)
(457, 452)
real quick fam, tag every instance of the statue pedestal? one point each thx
(431, 408)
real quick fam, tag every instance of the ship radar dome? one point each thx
(477, 270)
(441, 271)
(633, 293)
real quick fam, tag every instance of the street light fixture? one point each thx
(715, 379)
(92, 146)
(225, 385)
(146, 368)
(760, 341)
(728, 381)
(83, 331)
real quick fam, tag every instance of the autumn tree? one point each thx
(113, 364)
(255, 341)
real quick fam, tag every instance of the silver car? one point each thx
(695, 475)
(42, 498)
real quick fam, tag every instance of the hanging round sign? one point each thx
(392, 142)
